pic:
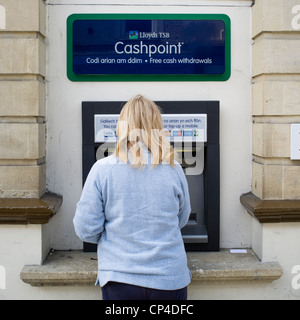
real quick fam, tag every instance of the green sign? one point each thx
(148, 47)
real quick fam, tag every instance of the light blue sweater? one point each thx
(135, 217)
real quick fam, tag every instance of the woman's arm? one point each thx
(184, 199)
(89, 217)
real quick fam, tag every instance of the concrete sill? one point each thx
(63, 268)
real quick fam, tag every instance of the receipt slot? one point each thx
(192, 127)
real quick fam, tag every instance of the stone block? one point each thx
(22, 56)
(25, 15)
(273, 55)
(22, 181)
(22, 141)
(271, 140)
(22, 98)
(275, 15)
(276, 182)
(29, 211)
(267, 181)
(257, 180)
(292, 182)
(279, 96)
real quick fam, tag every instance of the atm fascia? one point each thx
(211, 173)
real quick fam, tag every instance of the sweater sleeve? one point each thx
(184, 199)
(89, 217)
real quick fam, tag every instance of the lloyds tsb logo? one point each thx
(133, 35)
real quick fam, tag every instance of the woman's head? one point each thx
(140, 123)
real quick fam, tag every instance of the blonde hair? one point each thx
(140, 121)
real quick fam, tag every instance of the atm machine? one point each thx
(202, 232)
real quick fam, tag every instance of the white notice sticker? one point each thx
(177, 127)
(238, 251)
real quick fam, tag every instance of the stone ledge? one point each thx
(271, 211)
(29, 211)
(63, 268)
(224, 266)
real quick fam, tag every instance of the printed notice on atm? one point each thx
(177, 127)
(185, 127)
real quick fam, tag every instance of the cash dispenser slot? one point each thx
(202, 230)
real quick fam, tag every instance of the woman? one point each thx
(133, 205)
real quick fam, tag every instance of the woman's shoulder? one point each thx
(179, 170)
(112, 159)
(178, 166)
(103, 166)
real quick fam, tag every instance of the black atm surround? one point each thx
(212, 157)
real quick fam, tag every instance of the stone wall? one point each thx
(276, 98)
(22, 98)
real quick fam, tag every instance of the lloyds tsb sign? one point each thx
(148, 47)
